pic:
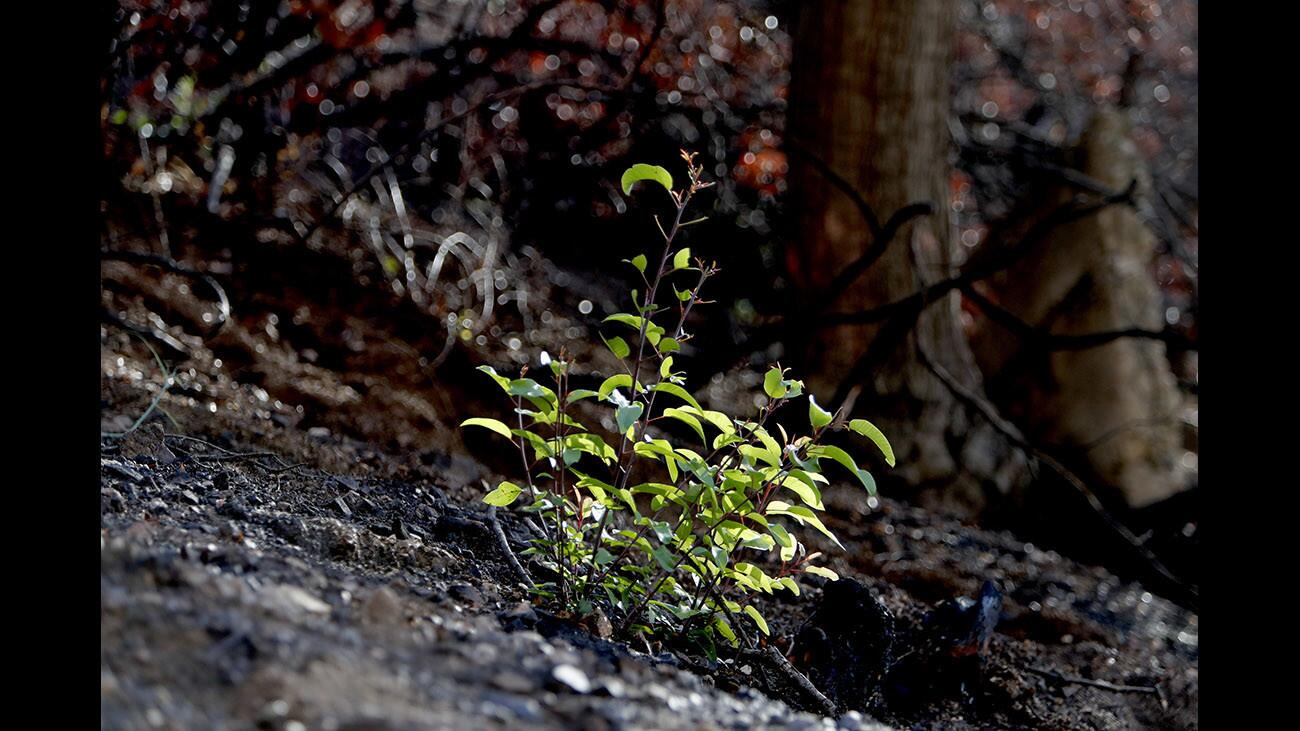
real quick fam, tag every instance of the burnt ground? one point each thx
(293, 540)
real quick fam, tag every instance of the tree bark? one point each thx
(870, 97)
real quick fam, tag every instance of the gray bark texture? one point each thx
(1115, 407)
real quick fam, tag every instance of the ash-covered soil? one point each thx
(294, 540)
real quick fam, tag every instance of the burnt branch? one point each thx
(1042, 339)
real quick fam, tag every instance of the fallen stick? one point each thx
(500, 535)
(774, 658)
(1102, 684)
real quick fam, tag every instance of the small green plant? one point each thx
(678, 547)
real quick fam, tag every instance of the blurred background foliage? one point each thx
(270, 111)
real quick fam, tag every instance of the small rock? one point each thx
(382, 607)
(466, 593)
(519, 617)
(572, 677)
(145, 443)
(301, 599)
(234, 508)
(514, 682)
(111, 499)
(344, 543)
(221, 481)
(288, 527)
(189, 497)
(318, 433)
(399, 529)
(614, 687)
(598, 624)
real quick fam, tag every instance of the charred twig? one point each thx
(1040, 338)
(227, 455)
(500, 535)
(932, 293)
(773, 658)
(1102, 684)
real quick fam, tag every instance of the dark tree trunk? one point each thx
(870, 98)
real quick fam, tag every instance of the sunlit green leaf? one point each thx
(819, 571)
(642, 171)
(845, 461)
(618, 346)
(773, 385)
(503, 495)
(817, 415)
(686, 418)
(877, 437)
(618, 380)
(682, 259)
(679, 392)
(491, 424)
(758, 619)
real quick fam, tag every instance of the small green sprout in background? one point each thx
(683, 546)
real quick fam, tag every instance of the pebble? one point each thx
(382, 607)
(300, 598)
(514, 682)
(518, 617)
(112, 500)
(572, 677)
(466, 593)
(234, 508)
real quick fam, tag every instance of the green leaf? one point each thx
(877, 437)
(540, 445)
(724, 629)
(773, 385)
(679, 392)
(687, 419)
(505, 494)
(639, 262)
(819, 571)
(642, 171)
(492, 424)
(839, 455)
(758, 619)
(805, 489)
(817, 415)
(804, 516)
(501, 381)
(682, 259)
(619, 380)
(591, 444)
(618, 346)
(626, 416)
(666, 367)
(668, 345)
(579, 394)
(664, 558)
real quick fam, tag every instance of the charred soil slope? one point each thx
(293, 539)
